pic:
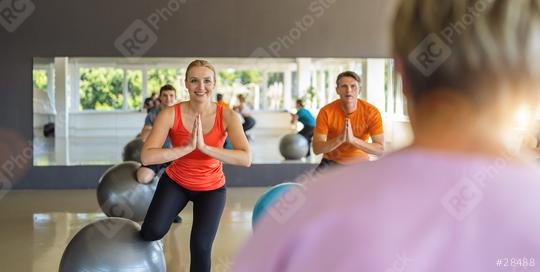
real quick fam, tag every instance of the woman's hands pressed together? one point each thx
(196, 141)
(201, 145)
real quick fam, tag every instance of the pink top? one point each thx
(414, 210)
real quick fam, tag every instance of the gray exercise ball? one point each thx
(132, 150)
(112, 244)
(120, 195)
(293, 146)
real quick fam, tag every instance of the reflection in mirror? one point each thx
(87, 109)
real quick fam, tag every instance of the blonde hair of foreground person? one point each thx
(492, 65)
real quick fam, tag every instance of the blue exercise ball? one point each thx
(271, 197)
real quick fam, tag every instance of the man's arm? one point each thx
(145, 132)
(322, 145)
(294, 118)
(148, 123)
(374, 148)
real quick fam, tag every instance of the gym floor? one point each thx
(108, 150)
(36, 226)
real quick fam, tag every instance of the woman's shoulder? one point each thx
(167, 109)
(227, 112)
(180, 105)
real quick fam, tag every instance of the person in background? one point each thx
(150, 102)
(305, 117)
(221, 102)
(146, 173)
(344, 126)
(243, 109)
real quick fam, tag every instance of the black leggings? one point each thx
(249, 123)
(307, 132)
(325, 165)
(169, 199)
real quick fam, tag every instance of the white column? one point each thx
(125, 92)
(144, 87)
(61, 121)
(331, 91)
(264, 91)
(50, 86)
(391, 101)
(304, 75)
(75, 90)
(182, 91)
(257, 98)
(287, 86)
(400, 101)
(364, 77)
(321, 90)
(374, 86)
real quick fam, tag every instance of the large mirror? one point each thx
(87, 109)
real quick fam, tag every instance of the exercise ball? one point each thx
(120, 195)
(132, 150)
(271, 197)
(112, 244)
(293, 146)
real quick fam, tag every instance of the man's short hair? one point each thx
(349, 74)
(166, 87)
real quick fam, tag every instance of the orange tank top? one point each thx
(197, 171)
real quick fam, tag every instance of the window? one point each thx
(134, 89)
(267, 84)
(39, 77)
(101, 88)
(162, 76)
(43, 95)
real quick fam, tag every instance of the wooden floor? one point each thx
(36, 226)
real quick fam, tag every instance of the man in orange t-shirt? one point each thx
(225, 105)
(219, 100)
(344, 126)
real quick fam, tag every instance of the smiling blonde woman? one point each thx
(197, 129)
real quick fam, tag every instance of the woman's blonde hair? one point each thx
(201, 63)
(482, 48)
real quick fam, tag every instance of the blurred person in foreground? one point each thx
(456, 199)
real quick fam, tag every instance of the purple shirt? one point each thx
(414, 210)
